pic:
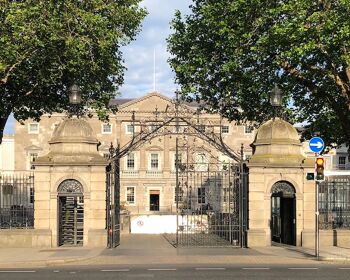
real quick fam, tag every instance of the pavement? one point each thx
(155, 249)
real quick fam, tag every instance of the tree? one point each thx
(46, 46)
(230, 54)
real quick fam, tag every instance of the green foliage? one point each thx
(47, 45)
(231, 53)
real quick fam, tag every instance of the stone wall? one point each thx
(25, 238)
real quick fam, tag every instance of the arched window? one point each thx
(283, 189)
(70, 187)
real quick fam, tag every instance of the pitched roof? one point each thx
(124, 102)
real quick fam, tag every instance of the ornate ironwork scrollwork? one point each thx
(283, 188)
(69, 187)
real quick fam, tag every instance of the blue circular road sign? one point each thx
(316, 144)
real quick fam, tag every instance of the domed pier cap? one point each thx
(72, 143)
(73, 130)
(277, 143)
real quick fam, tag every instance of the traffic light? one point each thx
(320, 169)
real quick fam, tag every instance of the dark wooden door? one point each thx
(288, 221)
(154, 202)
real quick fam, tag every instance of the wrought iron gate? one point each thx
(212, 205)
(71, 214)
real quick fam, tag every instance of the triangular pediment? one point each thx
(151, 102)
(33, 148)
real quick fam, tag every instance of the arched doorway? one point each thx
(70, 213)
(283, 218)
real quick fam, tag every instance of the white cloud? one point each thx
(139, 54)
(164, 9)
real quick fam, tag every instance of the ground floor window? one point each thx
(130, 195)
(180, 195)
(201, 195)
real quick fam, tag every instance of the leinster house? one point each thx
(167, 167)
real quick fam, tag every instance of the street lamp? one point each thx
(276, 97)
(276, 101)
(74, 94)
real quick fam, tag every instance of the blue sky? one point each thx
(138, 55)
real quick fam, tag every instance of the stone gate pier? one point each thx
(70, 189)
(281, 201)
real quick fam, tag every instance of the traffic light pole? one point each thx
(316, 145)
(320, 165)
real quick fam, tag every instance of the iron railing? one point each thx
(334, 203)
(16, 200)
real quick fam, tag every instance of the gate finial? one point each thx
(111, 150)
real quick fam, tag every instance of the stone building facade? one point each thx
(147, 173)
(70, 156)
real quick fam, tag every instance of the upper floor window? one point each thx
(31, 158)
(201, 128)
(225, 129)
(106, 128)
(154, 161)
(130, 161)
(201, 161)
(248, 129)
(179, 158)
(154, 127)
(342, 160)
(225, 194)
(130, 128)
(33, 128)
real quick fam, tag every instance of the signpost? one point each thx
(316, 145)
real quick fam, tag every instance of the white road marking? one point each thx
(303, 268)
(344, 268)
(255, 268)
(72, 272)
(17, 271)
(115, 270)
(161, 269)
(210, 268)
(56, 271)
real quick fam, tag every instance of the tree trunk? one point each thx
(3, 120)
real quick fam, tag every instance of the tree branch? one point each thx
(10, 69)
(301, 79)
(342, 85)
(31, 91)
